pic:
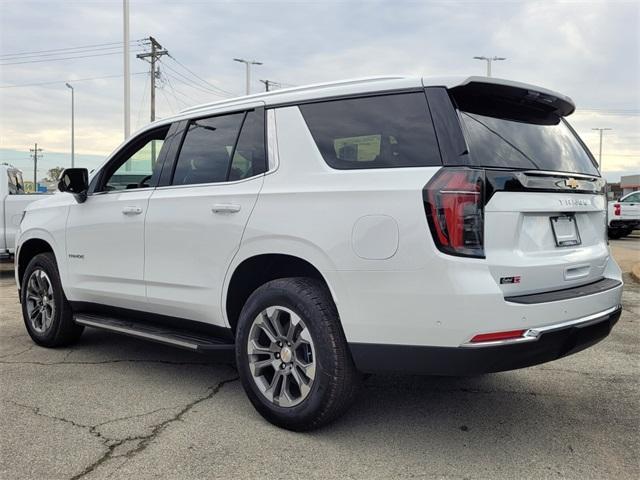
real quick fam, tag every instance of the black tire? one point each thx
(336, 379)
(62, 330)
(615, 234)
(627, 232)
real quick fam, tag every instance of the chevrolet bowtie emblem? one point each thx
(572, 183)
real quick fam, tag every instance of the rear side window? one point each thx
(374, 132)
(222, 148)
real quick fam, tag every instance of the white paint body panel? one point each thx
(365, 231)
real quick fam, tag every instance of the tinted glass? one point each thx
(374, 132)
(249, 158)
(544, 144)
(632, 198)
(206, 151)
(140, 168)
(15, 186)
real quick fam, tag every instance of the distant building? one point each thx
(614, 191)
(630, 183)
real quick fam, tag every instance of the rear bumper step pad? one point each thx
(567, 293)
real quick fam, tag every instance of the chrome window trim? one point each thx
(533, 334)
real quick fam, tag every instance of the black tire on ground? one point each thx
(62, 330)
(336, 379)
(615, 234)
(627, 232)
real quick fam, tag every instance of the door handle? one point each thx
(132, 210)
(225, 208)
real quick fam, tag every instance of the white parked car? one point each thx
(624, 215)
(446, 226)
(13, 201)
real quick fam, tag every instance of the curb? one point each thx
(635, 271)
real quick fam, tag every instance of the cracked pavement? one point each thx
(114, 407)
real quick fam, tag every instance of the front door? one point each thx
(105, 234)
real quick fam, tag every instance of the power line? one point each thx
(65, 58)
(206, 82)
(53, 82)
(58, 54)
(192, 83)
(95, 45)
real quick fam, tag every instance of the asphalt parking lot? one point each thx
(114, 407)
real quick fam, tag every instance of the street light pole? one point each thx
(600, 149)
(248, 64)
(489, 60)
(73, 135)
(127, 76)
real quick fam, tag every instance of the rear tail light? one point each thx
(616, 209)
(454, 202)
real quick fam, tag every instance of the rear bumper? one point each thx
(550, 343)
(624, 224)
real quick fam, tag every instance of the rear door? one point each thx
(544, 212)
(630, 207)
(195, 223)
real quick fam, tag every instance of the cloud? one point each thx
(588, 50)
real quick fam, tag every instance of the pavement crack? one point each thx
(145, 440)
(9, 355)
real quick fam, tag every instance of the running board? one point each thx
(155, 333)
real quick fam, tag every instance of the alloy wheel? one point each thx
(40, 303)
(282, 356)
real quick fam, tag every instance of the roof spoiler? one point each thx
(473, 89)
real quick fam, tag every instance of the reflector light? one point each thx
(493, 337)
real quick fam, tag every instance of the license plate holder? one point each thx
(565, 231)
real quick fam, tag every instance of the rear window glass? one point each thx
(546, 143)
(374, 132)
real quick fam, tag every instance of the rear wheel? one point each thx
(45, 309)
(292, 356)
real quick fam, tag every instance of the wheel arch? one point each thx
(29, 249)
(258, 269)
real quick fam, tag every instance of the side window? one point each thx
(13, 187)
(374, 132)
(635, 198)
(249, 158)
(138, 165)
(207, 148)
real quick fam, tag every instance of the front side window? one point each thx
(138, 166)
(15, 183)
(374, 132)
(634, 198)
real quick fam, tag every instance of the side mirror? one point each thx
(75, 181)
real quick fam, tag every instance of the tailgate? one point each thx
(542, 241)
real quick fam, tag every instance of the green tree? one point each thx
(53, 175)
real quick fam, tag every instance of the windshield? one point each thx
(536, 145)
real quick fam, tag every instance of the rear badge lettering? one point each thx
(504, 280)
(75, 255)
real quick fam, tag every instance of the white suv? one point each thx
(446, 226)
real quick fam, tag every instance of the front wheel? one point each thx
(292, 356)
(615, 234)
(45, 309)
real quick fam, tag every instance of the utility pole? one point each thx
(127, 75)
(248, 64)
(154, 55)
(156, 52)
(34, 153)
(600, 149)
(73, 133)
(489, 60)
(268, 84)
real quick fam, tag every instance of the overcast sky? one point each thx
(587, 50)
